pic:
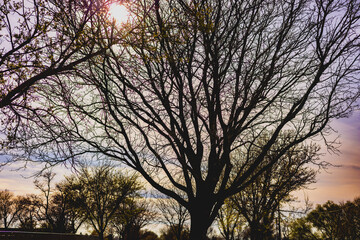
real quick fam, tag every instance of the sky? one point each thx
(341, 183)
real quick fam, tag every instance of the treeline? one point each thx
(329, 221)
(114, 205)
(101, 197)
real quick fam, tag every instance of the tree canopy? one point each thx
(42, 39)
(100, 192)
(329, 221)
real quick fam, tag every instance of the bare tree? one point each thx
(43, 183)
(41, 40)
(174, 215)
(195, 81)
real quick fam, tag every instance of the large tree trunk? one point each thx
(200, 218)
(101, 235)
(198, 228)
(255, 234)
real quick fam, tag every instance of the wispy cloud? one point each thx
(353, 167)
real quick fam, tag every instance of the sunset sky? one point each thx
(337, 184)
(341, 183)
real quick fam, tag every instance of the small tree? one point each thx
(329, 221)
(63, 214)
(133, 214)
(301, 229)
(7, 208)
(175, 233)
(100, 191)
(65, 211)
(43, 183)
(28, 212)
(351, 219)
(231, 223)
(175, 216)
(148, 235)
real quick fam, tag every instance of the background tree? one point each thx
(7, 208)
(175, 216)
(43, 183)
(193, 82)
(329, 221)
(351, 219)
(54, 210)
(261, 200)
(231, 223)
(131, 217)
(148, 235)
(301, 229)
(65, 212)
(28, 211)
(100, 191)
(175, 233)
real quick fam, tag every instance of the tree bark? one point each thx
(199, 227)
(101, 235)
(200, 218)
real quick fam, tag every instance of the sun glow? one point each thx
(119, 12)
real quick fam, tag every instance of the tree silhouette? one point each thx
(131, 217)
(28, 211)
(194, 81)
(175, 216)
